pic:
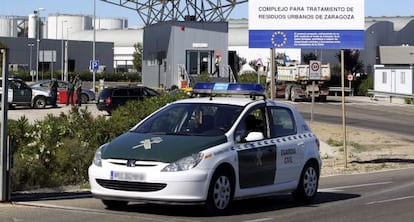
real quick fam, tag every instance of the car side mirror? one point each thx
(254, 136)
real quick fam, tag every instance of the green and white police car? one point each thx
(210, 150)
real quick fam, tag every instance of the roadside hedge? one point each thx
(57, 150)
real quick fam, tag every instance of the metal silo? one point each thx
(8, 26)
(111, 23)
(61, 25)
(32, 27)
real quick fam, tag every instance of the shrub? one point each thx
(367, 83)
(58, 150)
(251, 77)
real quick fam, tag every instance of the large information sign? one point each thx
(322, 24)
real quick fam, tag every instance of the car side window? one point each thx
(253, 121)
(120, 92)
(283, 123)
(62, 85)
(149, 92)
(135, 92)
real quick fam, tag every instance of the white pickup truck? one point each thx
(20, 94)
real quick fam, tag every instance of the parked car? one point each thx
(21, 94)
(86, 96)
(112, 97)
(210, 150)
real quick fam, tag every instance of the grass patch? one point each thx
(333, 142)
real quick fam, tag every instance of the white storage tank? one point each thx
(111, 23)
(8, 26)
(61, 25)
(32, 27)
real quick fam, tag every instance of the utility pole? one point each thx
(4, 151)
(93, 44)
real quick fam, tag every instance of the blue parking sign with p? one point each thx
(94, 65)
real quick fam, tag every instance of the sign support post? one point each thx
(314, 74)
(343, 108)
(272, 74)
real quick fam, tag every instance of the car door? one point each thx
(135, 93)
(256, 159)
(119, 96)
(290, 151)
(22, 93)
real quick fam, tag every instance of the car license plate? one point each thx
(101, 100)
(127, 176)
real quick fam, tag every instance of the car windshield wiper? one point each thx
(177, 133)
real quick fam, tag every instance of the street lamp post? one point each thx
(38, 23)
(63, 53)
(93, 44)
(30, 60)
(65, 78)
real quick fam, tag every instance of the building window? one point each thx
(402, 78)
(384, 77)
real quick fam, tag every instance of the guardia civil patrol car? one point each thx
(210, 150)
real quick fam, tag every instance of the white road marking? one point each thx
(259, 220)
(337, 189)
(389, 200)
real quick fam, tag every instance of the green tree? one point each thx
(308, 57)
(352, 63)
(137, 56)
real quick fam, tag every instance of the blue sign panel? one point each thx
(316, 24)
(307, 39)
(94, 65)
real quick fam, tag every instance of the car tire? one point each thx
(115, 204)
(287, 93)
(308, 184)
(322, 98)
(220, 193)
(84, 98)
(293, 95)
(39, 103)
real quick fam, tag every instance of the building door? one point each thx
(198, 62)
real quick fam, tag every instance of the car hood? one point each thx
(161, 148)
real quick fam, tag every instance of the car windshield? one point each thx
(199, 119)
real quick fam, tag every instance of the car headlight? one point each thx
(97, 159)
(183, 164)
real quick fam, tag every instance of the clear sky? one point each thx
(85, 7)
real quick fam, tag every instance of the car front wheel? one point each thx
(220, 193)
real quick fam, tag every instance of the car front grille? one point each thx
(131, 186)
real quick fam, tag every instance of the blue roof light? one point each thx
(228, 88)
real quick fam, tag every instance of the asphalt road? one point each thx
(373, 197)
(363, 113)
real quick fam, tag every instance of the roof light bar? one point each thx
(228, 88)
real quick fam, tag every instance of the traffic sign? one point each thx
(350, 77)
(94, 65)
(314, 70)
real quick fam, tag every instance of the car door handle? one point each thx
(301, 144)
